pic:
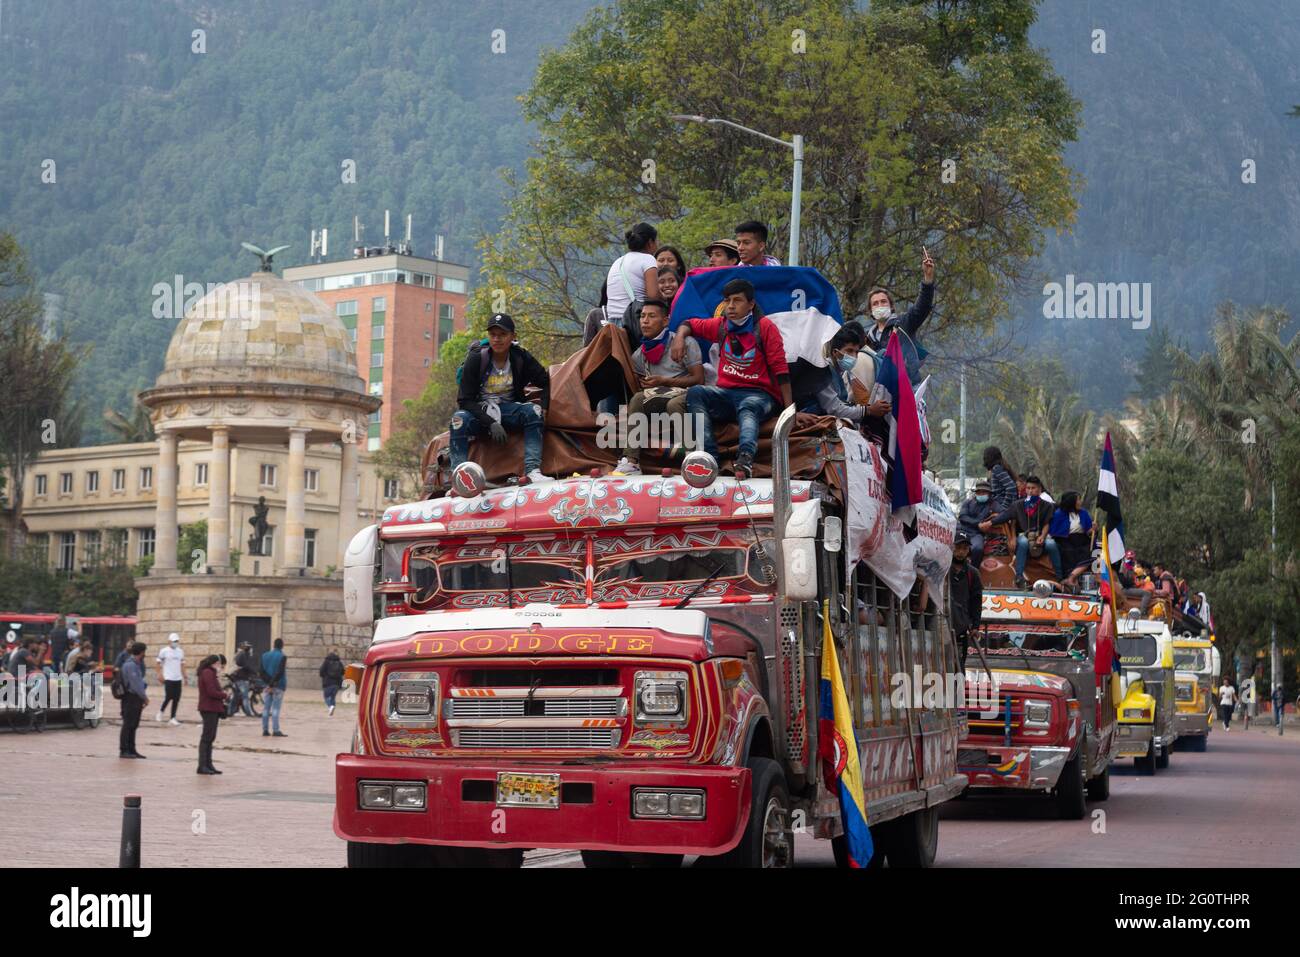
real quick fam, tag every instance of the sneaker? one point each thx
(744, 466)
(626, 466)
(159, 716)
(331, 710)
(1022, 582)
(280, 734)
(266, 734)
(536, 476)
(173, 721)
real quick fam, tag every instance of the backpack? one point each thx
(460, 369)
(118, 687)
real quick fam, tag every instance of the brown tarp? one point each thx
(569, 446)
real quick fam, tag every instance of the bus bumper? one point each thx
(1133, 740)
(1028, 769)
(594, 810)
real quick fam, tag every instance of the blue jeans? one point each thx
(330, 691)
(515, 417)
(1022, 555)
(272, 700)
(244, 703)
(750, 408)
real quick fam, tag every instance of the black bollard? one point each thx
(130, 853)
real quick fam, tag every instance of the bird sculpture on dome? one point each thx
(264, 254)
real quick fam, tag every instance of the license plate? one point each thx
(527, 790)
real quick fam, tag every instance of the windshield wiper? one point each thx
(701, 586)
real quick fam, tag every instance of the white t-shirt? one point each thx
(171, 659)
(1227, 694)
(633, 266)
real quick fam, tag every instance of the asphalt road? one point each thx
(1237, 805)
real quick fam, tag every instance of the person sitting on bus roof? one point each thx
(974, 512)
(491, 396)
(751, 243)
(1192, 606)
(825, 390)
(1033, 518)
(1166, 586)
(664, 382)
(1071, 529)
(722, 252)
(753, 377)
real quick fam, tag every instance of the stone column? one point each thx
(219, 501)
(295, 502)
(164, 558)
(348, 497)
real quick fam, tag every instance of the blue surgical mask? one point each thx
(981, 499)
(847, 363)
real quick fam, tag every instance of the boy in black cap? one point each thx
(491, 396)
(966, 594)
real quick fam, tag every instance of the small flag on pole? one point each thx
(1108, 501)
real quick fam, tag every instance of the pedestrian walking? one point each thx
(212, 706)
(1227, 697)
(1248, 700)
(59, 640)
(274, 663)
(135, 699)
(331, 679)
(171, 672)
(243, 676)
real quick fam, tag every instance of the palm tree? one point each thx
(137, 428)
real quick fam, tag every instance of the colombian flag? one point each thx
(838, 748)
(905, 436)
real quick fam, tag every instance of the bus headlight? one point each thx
(660, 697)
(1038, 714)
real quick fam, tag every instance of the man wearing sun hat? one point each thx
(722, 252)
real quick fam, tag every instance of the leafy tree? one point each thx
(37, 372)
(882, 97)
(192, 548)
(136, 428)
(1156, 367)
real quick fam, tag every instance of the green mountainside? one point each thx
(166, 158)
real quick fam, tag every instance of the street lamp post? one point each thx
(796, 190)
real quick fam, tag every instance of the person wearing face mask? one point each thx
(966, 591)
(1033, 517)
(753, 376)
(825, 390)
(881, 306)
(975, 510)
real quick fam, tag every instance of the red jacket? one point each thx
(211, 697)
(759, 371)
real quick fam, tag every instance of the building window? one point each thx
(454, 285)
(348, 307)
(200, 473)
(427, 362)
(65, 483)
(377, 331)
(41, 485)
(67, 551)
(309, 548)
(267, 477)
(90, 544)
(446, 322)
(376, 356)
(116, 551)
(92, 481)
(145, 539)
(428, 307)
(390, 489)
(268, 542)
(119, 480)
(311, 480)
(377, 416)
(353, 331)
(377, 388)
(372, 443)
(378, 304)
(146, 478)
(376, 375)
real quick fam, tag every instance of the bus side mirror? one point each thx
(359, 577)
(799, 551)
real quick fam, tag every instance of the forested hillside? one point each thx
(166, 158)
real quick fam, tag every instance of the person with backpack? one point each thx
(274, 664)
(634, 272)
(331, 679)
(753, 377)
(130, 687)
(881, 305)
(491, 396)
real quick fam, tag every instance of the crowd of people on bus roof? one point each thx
(744, 377)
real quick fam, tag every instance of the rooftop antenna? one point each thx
(357, 229)
(407, 242)
(437, 247)
(324, 242)
(385, 227)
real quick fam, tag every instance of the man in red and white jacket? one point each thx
(753, 378)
